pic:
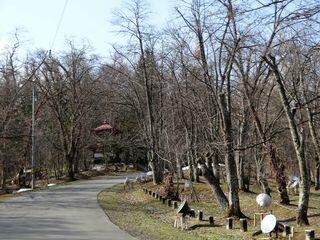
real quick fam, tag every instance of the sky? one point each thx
(86, 21)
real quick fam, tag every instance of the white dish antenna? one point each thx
(268, 223)
(263, 200)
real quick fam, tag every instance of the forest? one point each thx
(229, 88)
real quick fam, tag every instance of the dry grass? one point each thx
(147, 218)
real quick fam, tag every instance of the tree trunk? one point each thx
(317, 175)
(70, 161)
(315, 140)
(240, 155)
(4, 177)
(196, 175)
(208, 161)
(179, 168)
(280, 176)
(190, 165)
(231, 169)
(299, 145)
(215, 186)
(215, 166)
(157, 168)
(276, 163)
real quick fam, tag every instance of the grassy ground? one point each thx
(146, 218)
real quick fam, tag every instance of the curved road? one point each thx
(63, 212)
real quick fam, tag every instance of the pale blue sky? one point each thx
(87, 20)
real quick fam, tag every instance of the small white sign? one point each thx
(98, 155)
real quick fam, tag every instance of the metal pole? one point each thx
(33, 150)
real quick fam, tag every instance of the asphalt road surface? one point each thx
(63, 212)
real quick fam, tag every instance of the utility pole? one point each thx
(33, 150)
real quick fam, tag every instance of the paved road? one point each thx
(62, 212)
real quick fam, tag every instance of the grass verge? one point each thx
(146, 218)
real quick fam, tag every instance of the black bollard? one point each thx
(287, 230)
(211, 221)
(200, 215)
(310, 235)
(192, 213)
(243, 225)
(174, 204)
(229, 223)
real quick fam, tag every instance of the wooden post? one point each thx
(193, 213)
(150, 192)
(229, 223)
(211, 221)
(153, 194)
(243, 225)
(174, 204)
(310, 234)
(200, 215)
(169, 202)
(157, 196)
(292, 232)
(176, 222)
(163, 200)
(287, 231)
(160, 198)
(184, 223)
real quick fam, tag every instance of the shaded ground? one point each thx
(147, 218)
(69, 211)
